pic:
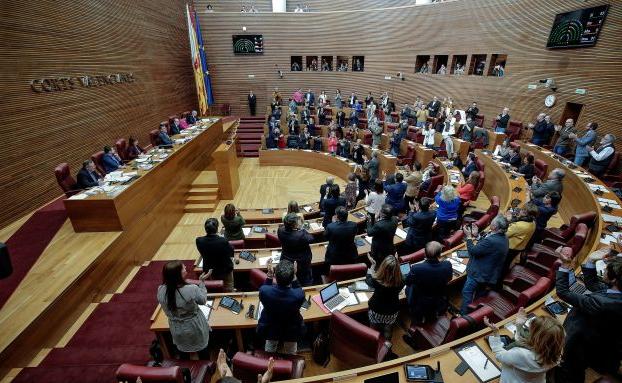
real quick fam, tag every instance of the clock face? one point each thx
(549, 101)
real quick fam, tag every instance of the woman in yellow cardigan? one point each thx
(520, 231)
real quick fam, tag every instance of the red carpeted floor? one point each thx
(116, 332)
(29, 242)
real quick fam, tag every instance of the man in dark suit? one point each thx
(252, 102)
(593, 331)
(340, 234)
(472, 112)
(382, 233)
(295, 247)
(324, 189)
(280, 320)
(419, 223)
(331, 203)
(310, 98)
(426, 285)
(352, 100)
(111, 161)
(217, 254)
(87, 176)
(485, 259)
(175, 127)
(433, 107)
(192, 118)
(341, 119)
(164, 138)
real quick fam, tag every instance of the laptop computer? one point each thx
(331, 298)
(574, 285)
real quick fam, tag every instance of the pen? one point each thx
(486, 364)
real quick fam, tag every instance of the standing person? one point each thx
(422, 117)
(537, 349)
(252, 102)
(520, 231)
(485, 260)
(433, 108)
(352, 101)
(338, 100)
(341, 249)
(233, 222)
(468, 130)
(280, 320)
(470, 166)
(428, 135)
(502, 120)
(395, 193)
(448, 132)
(325, 189)
(384, 305)
(413, 183)
(351, 191)
(593, 331)
(358, 152)
(472, 111)
(547, 207)
(601, 158)
(447, 212)
(372, 166)
(554, 183)
(582, 143)
(180, 302)
(369, 99)
(295, 247)
(376, 131)
(332, 143)
(466, 190)
(292, 207)
(217, 254)
(540, 131)
(374, 201)
(419, 223)
(563, 141)
(426, 285)
(331, 203)
(382, 233)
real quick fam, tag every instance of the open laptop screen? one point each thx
(329, 291)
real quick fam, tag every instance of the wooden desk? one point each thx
(460, 146)
(226, 164)
(325, 162)
(102, 212)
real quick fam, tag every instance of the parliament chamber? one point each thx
(270, 190)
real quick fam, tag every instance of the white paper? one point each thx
(315, 226)
(275, 259)
(476, 360)
(368, 239)
(142, 159)
(200, 264)
(457, 265)
(611, 218)
(307, 208)
(400, 233)
(362, 297)
(349, 301)
(246, 230)
(130, 174)
(206, 309)
(598, 187)
(79, 196)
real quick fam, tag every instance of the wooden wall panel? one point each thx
(391, 39)
(46, 39)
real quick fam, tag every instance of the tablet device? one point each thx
(405, 269)
(267, 211)
(556, 308)
(418, 373)
(462, 253)
(247, 256)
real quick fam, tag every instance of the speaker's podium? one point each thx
(226, 165)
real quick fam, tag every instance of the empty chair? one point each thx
(480, 185)
(514, 130)
(541, 168)
(483, 221)
(257, 278)
(345, 272)
(367, 137)
(435, 182)
(355, 343)
(171, 372)
(408, 158)
(98, 160)
(536, 266)
(453, 240)
(212, 285)
(480, 165)
(391, 126)
(575, 243)
(272, 240)
(237, 244)
(479, 120)
(65, 180)
(154, 138)
(121, 146)
(493, 209)
(564, 232)
(415, 257)
(246, 367)
(444, 329)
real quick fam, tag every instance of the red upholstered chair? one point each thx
(480, 165)
(272, 240)
(212, 285)
(514, 130)
(479, 120)
(444, 329)
(453, 240)
(391, 126)
(493, 210)
(507, 301)
(435, 182)
(246, 367)
(121, 146)
(257, 278)
(536, 266)
(238, 244)
(98, 160)
(541, 168)
(408, 157)
(65, 180)
(201, 371)
(363, 123)
(345, 272)
(415, 257)
(480, 185)
(575, 242)
(355, 343)
(367, 137)
(185, 114)
(154, 137)
(564, 232)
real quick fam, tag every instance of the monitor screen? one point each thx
(571, 278)
(248, 44)
(417, 372)
(578, 28)
(329, 291)
(405, 268)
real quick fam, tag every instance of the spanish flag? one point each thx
(199, 62)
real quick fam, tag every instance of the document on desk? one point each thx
(315, 226)
(400, 233)
(246, 231)
(276, 258)
(457, 265)
(206, 309)
(611, 218)
(483, 368)
(79, 196)
(368, 239)
(308, 209)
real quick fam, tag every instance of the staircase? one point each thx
(249, 135)
(203, 194)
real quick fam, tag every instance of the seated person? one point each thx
(536, 349)
(111, 160)
(175, 127)
(528, 169)
(419, 223)
(87, 176)
(470, 165)
(165, 140)
(341, 249)
(217, 254)
(426, 285)
(513, 158)
(428, 173)
(593, 331)
(280, 320)
(503, 149)
(192, 118)
(295, 247)
(133, 149)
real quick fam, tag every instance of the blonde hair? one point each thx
(546, 340)
(448, 193)
(388, 273)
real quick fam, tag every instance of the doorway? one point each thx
(571, 110)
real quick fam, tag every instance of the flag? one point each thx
(206, 77)
(197, 66)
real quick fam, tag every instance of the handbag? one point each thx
(321, 349)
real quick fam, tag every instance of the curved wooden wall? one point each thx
(48, 39)
(391, 39)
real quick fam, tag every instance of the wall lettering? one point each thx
(58, 84)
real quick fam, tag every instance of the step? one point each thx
(249, 135)
(206, 179)
(201, 191)
(200, 208)
(201, 199)
(249, 154)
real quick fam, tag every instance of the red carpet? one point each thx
(29, 242)
(116, 332)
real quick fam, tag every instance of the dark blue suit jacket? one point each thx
(280, 318)
(395, 194)
(419, 228)
(110, 163)
(466, 171)
(486, 258)
(426, 287)
(341, 249)
(165, 139)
